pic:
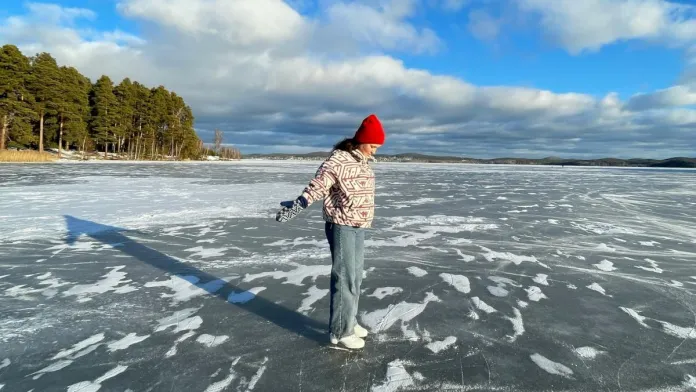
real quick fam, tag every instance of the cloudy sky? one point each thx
(479, 78)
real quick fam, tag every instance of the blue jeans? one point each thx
(347, 257)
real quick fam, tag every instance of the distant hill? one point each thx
(676, 162)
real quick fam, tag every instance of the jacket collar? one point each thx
(360, 156)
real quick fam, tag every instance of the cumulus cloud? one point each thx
(592, 24)
(276, 79)
(483, 26)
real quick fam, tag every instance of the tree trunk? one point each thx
(41, 126)
(3, 133)
(153, 150)
(106, 148)
(84, 140)
(60, 138)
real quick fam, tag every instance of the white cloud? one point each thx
(483, 26)
(592, 24)
(257, 70)
(57, 14)
(681, 95)
(383, 26)
(454, 5)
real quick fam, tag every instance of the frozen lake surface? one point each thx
(176, 277)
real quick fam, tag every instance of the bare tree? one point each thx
(218, 140)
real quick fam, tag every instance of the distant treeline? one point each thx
(678, 162)
(43, 105)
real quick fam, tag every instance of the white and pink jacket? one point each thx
(346, 182)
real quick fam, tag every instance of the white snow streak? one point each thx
(551, 367)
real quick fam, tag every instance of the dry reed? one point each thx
(26, 156)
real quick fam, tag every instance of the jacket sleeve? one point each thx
(321, 184)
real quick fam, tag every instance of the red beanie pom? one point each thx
(370, 131)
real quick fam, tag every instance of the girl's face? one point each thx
(369, 149)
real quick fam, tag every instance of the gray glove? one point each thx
(291, 209)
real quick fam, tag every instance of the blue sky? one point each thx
(504, 77)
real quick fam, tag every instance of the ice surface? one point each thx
(164, 265)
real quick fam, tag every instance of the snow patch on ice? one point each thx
(648, 243)
(502, 281)
(497, 291)
(459, 282)
(534, 293)
(80, 346)
(522, 304)
(296, 276)
(417, 272)
(479, 304)
(54, 367)
(110, 282)
(172, 351)
(212, 341)
(636, 315)
(465, 258)
(541, 279)
(396, 379)
(257, 376)
(314, 294)
(653, 267)
(383, 319)
(605, 265)
(205, 253)
(181, 320)
(93, 386)
(551, 367)
(225, 382)
(605, 247)
(382, 292)
(243, 297)
(588, 352)
(438, 346)
(596, 287)
(517, 325)
(126, 341)
(5, 363)
(187, 287)
(491, 256)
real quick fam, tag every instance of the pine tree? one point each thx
(73, 109)
(126, 95)
(15, 99)
(104, 104)
(44, 84)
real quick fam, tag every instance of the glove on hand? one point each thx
(291, 209)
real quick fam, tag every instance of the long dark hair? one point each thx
(347, 144)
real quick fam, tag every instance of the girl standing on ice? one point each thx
(347, 184)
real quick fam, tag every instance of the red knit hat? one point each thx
(370, 131)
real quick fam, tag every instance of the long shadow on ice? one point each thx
(277, 314)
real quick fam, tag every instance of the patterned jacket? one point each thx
(346, 182)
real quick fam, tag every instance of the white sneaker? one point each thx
(351, 342)
(358, 330)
